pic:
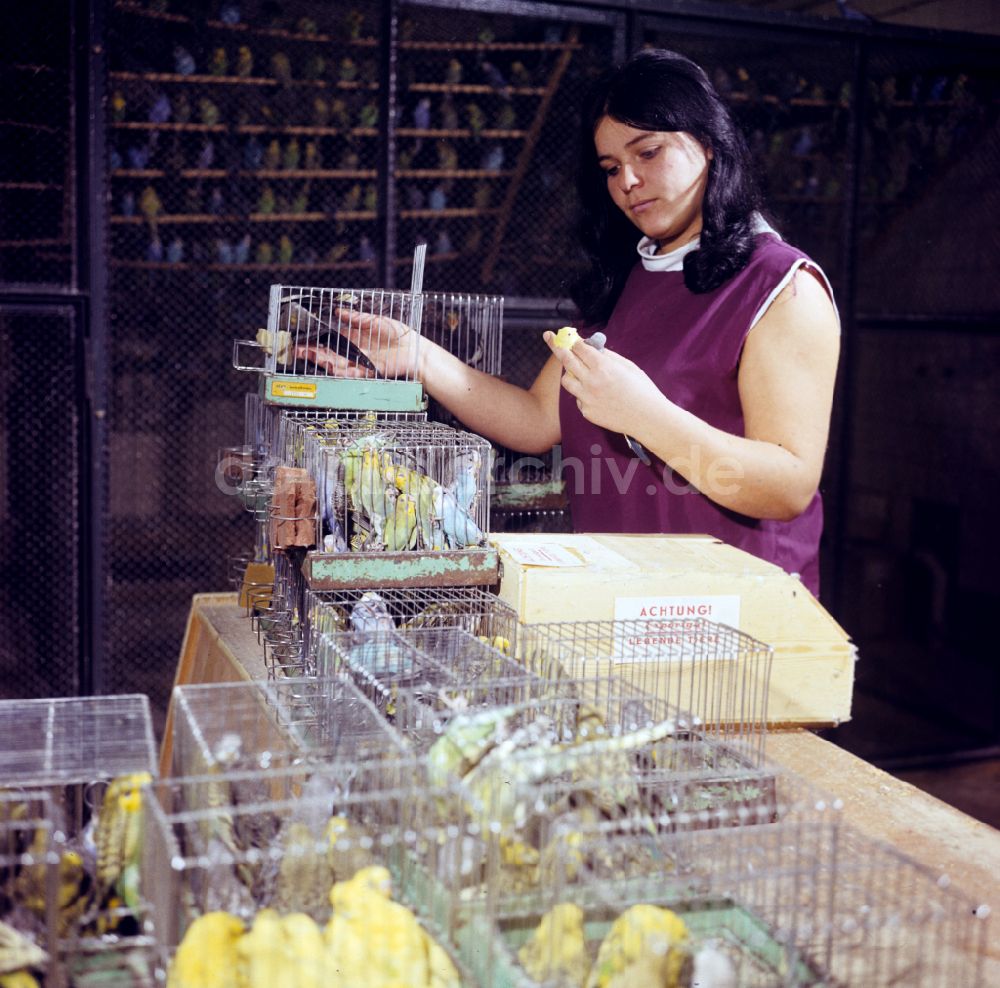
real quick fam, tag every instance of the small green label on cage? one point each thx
(293, 389)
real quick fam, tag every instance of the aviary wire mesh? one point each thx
(38, 208)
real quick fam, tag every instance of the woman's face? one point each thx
(656, 178)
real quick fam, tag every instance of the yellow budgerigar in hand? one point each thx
(566, 338)
(646, 947)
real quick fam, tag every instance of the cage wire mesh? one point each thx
(350, 328)
(929, 151)
(489, 105)
(404, 486)
(718, 674)
(411, 673)
(279, 839)
(750, 893)
(41, 553)
(794, 901)
(92, 755)
(231, 727)
(243, 155)
(29, 879)
(37, 167)
(472, 609)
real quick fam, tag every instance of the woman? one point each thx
(722, 340)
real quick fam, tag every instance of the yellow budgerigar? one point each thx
(304, 952)
(556, 952)
(206, 957)
(260, 953)
(374, 941)
(646, 947)
(566, 338)
(18, 979)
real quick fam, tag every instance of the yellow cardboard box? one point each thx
(556, 577)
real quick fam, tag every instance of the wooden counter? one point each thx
(221, 646)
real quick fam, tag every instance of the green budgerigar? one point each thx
(348, 70)
(304, 875)
(118, 836)
(281, 68)
(292, 155)
(208, 112)
(401, 525)
(73, 890)
(218, 64)
(244, 62)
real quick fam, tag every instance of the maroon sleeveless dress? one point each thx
(690, 345)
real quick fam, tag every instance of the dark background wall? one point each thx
(878, 143)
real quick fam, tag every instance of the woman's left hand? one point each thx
(610, 390)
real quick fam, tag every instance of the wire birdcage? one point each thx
(299, 317)
(263, 723)
(473, 609)
(91, 755)
(278, 841)
(29, 879)
(800, 900)
(896, 921)
(402, 486)
(409, 674)
(718, 674)
(67, 740)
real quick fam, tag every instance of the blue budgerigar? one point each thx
(160, 111)
(422, 114)
(493, 158)
(466, 483)
(206, 156)
(459, 527)
(183, 61)
(241, 250)
(371, 613)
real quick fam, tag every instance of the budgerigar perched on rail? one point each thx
(401, 525)
(118, 837)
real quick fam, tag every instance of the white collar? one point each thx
(674, 260)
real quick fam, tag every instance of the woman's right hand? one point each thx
(389, 344)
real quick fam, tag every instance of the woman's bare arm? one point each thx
(786, 381)
(523, 419)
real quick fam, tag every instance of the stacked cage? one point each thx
(537, 812)
(72, 773)
(308, 851)
(339, 458)
(790, 898)
(399, 486)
